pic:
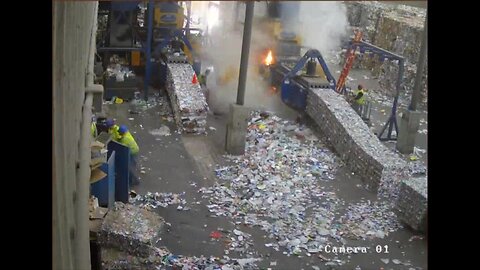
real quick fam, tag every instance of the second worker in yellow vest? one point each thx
(113, 129)
(126, 138)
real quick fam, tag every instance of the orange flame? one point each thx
(269, 59)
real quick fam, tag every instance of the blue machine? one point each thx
(295, 87)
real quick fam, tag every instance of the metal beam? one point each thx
(148, 49)
(247, 34)
(119, 49)
(189, 13)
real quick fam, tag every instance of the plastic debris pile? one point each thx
(412, 203)
(162, 131)
(188, 102)
(130, 228)
(365, 15)
(139, 105)
(368, 220)
(380, 168)
(397, 29)
(154, 200)
(277, 186)
(236, 240)
(417, 168)
(388, 76)
(163, 259)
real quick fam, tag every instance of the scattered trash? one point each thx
(367, 220)
(216, 235)
(131, 119)
(162, 131)
(154, 200)
(415, 237)
(385, 261)
(395, 261)
(212, 128)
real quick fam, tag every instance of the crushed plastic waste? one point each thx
(189, 104)
(368, 220)
(154, 200)
(277, 186)
(162, 259)
(162, 131)
(130, 228)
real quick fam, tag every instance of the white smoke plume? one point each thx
(320, 25)
(323, 24)
(223, 52)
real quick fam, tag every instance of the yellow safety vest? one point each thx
(361, 100)
(128, 140)
(114, 132)
(93, 130)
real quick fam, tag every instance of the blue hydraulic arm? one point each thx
(311, 54)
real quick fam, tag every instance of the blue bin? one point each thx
(122, 163)
(104, 189)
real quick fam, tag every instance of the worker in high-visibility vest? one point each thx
(126, 138)
(93, 129)
(359, 99)
(113, 129)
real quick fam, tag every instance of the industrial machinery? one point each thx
(132, 31)
(295, 87)
(370, 49)
(282, 72)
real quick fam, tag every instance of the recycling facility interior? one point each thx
(253, 154)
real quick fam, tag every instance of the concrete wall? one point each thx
(72, 30)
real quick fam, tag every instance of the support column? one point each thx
(410, 120)
(238, 117)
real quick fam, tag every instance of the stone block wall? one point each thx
(380, 168)
(411, 205)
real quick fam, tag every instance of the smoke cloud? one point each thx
(323, 24)
(320, 25)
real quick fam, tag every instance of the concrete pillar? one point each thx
(237, 129)
(409, 123)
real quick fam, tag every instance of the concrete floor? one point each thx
(185, 163)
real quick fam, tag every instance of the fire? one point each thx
(269, 59)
